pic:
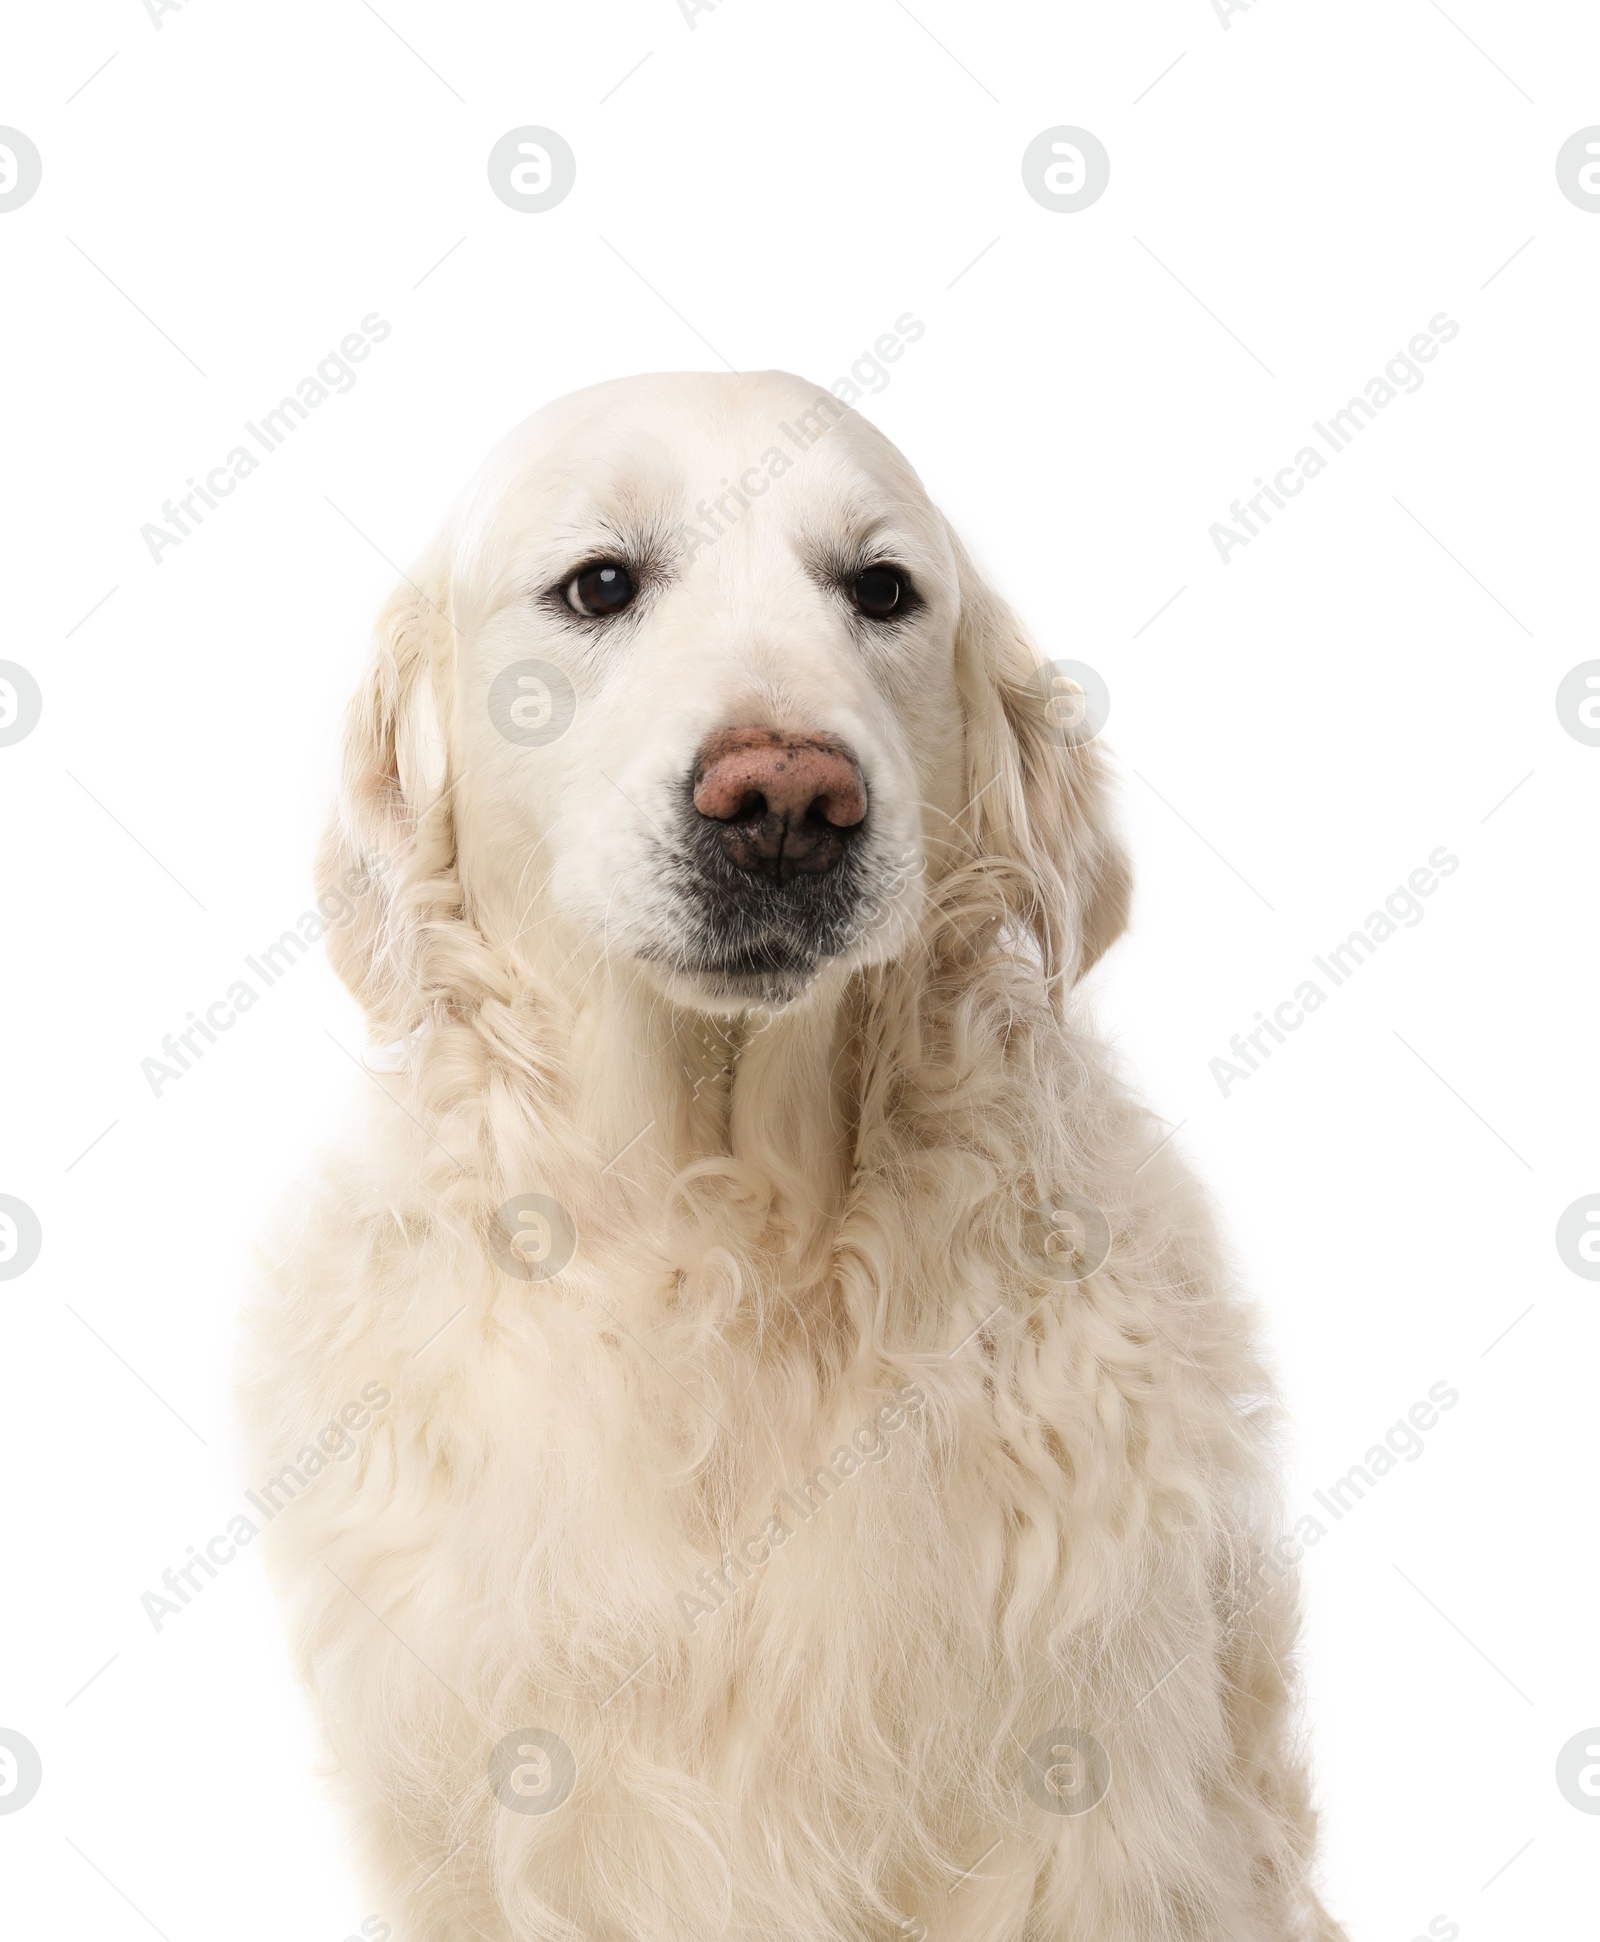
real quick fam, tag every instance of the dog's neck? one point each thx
(575, 1076)
(657, 1086)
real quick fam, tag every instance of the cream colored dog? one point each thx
(825, 1495)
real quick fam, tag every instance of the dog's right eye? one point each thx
(605, 588)
(879, 591)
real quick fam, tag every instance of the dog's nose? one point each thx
(787, 804)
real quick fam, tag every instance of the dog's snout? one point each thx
(787, 804)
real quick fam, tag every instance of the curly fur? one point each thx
(832, 1212)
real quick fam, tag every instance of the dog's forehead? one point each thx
(664, 442)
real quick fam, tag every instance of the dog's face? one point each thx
(712, 719)
(697, 682)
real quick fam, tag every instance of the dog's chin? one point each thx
(734, 987)
(728, 951)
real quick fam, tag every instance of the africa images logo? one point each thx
(1401, 910)
(1402, 373)
(182, 513)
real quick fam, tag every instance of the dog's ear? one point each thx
(391, 833)
(1038, 797)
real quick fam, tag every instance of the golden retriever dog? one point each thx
(763, 1439)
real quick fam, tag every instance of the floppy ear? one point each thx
(391, 834)
(1038, 796)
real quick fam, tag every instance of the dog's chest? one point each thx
(621, 1536)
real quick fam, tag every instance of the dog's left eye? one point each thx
(879, 591)
(600, 590)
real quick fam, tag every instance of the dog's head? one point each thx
(696, 677)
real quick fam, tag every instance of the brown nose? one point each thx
(788, 804)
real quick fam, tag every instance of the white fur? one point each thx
(821, 1207)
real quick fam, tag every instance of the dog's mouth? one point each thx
(725, 959)
(752, 936)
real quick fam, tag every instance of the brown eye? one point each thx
(879, 591)
(600, 590)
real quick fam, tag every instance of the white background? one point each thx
(1297, 730)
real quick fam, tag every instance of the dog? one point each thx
(809, 1474)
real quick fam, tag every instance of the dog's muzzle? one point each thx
(773, 871)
